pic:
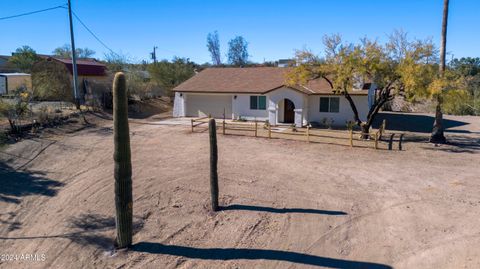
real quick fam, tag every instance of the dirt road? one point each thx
(286, 204)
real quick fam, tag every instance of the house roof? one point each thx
(258, 80)
(85, 66)
(13, 74)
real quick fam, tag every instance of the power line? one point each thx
(94, 35)
(30, 13)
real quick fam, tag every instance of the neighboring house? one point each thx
(87, 68)
(6, 66)
(92, 75)
(9, 82)
(261, 93)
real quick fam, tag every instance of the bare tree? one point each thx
(213, 45)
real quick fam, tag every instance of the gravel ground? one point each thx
(285, 204)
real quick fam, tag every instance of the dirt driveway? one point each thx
(286, 204)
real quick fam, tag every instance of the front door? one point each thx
(289, 113)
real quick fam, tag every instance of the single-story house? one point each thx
(261, 93)
(9, 82)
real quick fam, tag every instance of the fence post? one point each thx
(256, 128)
(223, 125)
(382, 128)
(269, 131)
(376, 140)
(192, 124)
(351, 138)
(400, 142)
(390, 142)
(308, 133)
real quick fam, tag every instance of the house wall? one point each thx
(14, 82)
(307, 108)
(345, 111)
(275, 100)
(179, 105)
(241, 108)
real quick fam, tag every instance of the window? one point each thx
(258, 102)
(330, 104)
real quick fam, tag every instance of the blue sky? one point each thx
(273, 28)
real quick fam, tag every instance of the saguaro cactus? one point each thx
(123, 164)
(213, 164)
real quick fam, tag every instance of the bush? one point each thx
(16, 110)
(458, 102)
(51, 82)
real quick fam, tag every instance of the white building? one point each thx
(261, 93)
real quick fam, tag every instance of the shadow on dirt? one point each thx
(414, 123)
(224, 254)
(88, 230)
(282, 210)
(17, 183)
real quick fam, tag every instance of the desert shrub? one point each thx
(458, 102)
(44, 114)
(15, 110)
(51, 82)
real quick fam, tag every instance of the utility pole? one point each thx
(154, 54)
(74, 58)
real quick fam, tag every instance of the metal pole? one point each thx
(74, 57)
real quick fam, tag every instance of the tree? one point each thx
(463, 99)
(168, 75)
(466, 66)
(437, 131)
(24, 58)
(66, 52)
(238, 51)
(116, 62)
(213, 45)
(397, 66)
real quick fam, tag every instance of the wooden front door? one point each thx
(289, 113)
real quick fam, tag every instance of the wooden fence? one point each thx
(308, 134)
(200, 121)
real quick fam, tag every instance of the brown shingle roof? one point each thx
(258, 80)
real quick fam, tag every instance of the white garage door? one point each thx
(204, 105)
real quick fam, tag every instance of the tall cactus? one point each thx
(123, 164)
(213, 164)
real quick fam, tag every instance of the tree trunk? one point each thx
(437, 136)
(365, 130)
(123, 164)
(213, 164)
(437, 131)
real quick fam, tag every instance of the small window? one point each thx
(334, 104)
(330, 104)
(262, 102)
(253, 102)
(324, 104)
(258, 102)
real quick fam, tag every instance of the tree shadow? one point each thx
(16, 184)
(458, 144)
(413, 122)
(87, 230)
(224, 254)
(281, 210)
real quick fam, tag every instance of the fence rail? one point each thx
(308, 134)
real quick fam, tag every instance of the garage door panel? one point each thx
(204, 105)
